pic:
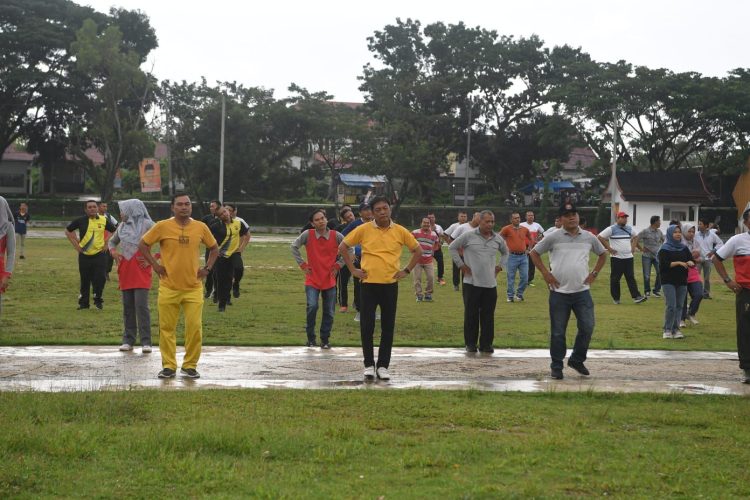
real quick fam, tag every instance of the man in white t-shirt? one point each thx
(453, 232)
(620, 240)
(536, 233)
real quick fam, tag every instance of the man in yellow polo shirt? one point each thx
(382, 241)
(180, 283)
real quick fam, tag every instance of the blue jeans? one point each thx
(560, 306)
(674, 297)
(520, 264)
(329, 302)
(648, 260)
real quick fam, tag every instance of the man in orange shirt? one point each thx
(518, 240)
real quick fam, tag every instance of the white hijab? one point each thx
(7, 222)
(133, 227)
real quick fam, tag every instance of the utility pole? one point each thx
(221, 150)
(613, 174)
(468, 156)
(169, 154)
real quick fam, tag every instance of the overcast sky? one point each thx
(321, 45)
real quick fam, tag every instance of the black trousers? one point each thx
(238, 269)
(479, 312)
(532, 270)
(742, 307)
(456, 275)
(210, 279)
(93, 271)
(224, 276)
(440, 264)
(372, 296)
(343, 286)
(357, 288)
(619, 268)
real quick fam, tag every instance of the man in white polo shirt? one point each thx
(569, 249)
(620, 241)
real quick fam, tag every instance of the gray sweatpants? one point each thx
(136, 315)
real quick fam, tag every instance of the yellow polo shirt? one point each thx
(179, 247)
(381, 249)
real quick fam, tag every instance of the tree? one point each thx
(116, 121)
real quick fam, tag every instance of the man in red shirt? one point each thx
(518, 240)
(428, 240)
(321, 269)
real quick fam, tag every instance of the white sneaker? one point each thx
(693, 320)
(146, 349)
(369, 373)
(683, 324)
(383, 373)
(667, 334)
(356, 316)
(126, 347)
(678, 335)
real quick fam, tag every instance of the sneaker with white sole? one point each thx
(356, 316)
(146, 349)
(126, 347)
(746, 377)
(640, 299)
(383, 373)
(678, 335)
(683, 324)
(370, 373)
(693, 320)
(189, 373)
(166, 373)
(667, 334)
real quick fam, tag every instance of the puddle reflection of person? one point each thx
(7, 246)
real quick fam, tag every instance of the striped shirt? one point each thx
(619, 240)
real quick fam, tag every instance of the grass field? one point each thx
(372, 444)
(40, 308)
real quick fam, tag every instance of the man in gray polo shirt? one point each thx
(649, 241)
(480, 267)
(569, 249)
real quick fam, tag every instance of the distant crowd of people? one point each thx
(366, 247)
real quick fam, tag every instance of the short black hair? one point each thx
(655, 219)
(746, 214)
(705, 221)
(312, 215)
(178, 195)
(379, 199)
(218, 203)
(231, 205)
(86, 203)
(344, 211)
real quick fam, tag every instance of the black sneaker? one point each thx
(166, 373)
(325, 345)
(221, 309)
(579, 367)
(189, 373)
(487, 350)
(215, 299)
(556, 373)
(206, 294)
(471, 348)
(746, 377)
(22, 257)
(99, 305)
(236, 292)
(311, 343)
(640, 299)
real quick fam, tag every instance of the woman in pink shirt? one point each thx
(134, 272)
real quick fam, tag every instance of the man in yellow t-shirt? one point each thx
(180, 285)
(382, 241)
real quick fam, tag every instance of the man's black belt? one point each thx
(518, 253)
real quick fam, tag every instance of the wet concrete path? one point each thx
(88, 368)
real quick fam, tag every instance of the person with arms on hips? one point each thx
(382, 241)
(447, 238)
(536, 233)
(365, 215)
(21, 228)
(709, 242)
(620, 241)
(347, 217)
(92, 253)
(674, 261)
(569, 282)
(238, 265)
(438, 253)
(428, 240)
(7, 247)
(738, 249)
(475, 253)
(134, 273)
(518, 240)
(321, 269)
(649, 242)
(180, 287)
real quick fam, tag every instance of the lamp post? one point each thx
(453, 193)
(613, 174)
(468, 156)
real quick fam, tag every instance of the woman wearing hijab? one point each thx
(134, 272)
(674, 261)
(7, 246)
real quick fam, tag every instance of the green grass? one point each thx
(371, 444)
(40, 309)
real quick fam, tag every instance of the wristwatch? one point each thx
(727, 279)
(407, 270)
(594, 273)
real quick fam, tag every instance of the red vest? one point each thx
(321, 257)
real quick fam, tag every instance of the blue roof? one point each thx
(555, 186)
(359, 180)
